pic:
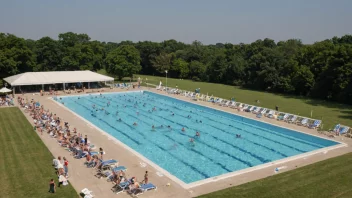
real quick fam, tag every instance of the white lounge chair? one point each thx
(303, 122)
(343, 130)
(315, 125)
(292, 119)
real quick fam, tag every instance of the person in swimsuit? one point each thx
(197, 134)
(183, 129)
(135, 124)
(101, 152)
(145, 177)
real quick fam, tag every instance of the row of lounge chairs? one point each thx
(123, 85)
(259, 111)
(110, 169)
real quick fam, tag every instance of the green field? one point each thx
(330, 113)
(329, 178)
(25, 162)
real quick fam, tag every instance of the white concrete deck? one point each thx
(82, 177)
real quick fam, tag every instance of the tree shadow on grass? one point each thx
(307, 100)
(347, 114)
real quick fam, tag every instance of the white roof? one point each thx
(41, 78)
(5, 90)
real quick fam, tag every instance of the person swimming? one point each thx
(183, 129)
(119, 120)
(189, 116)
(238, 135)
(106, 112)
(135, 124)
(116, 113)
(153, 128)
(108, 104)
(137, 112)
(197, 134)
(191, 141)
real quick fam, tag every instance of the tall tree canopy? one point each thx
(123, 61)
(320, 70)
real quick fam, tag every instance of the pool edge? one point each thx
(211, 179)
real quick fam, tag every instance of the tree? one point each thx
(180, 67)
(48, 53)
(15, 56)
(162, 62)
(123, 61)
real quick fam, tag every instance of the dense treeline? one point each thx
(321, 70)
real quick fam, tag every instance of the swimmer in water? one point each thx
(188, 116)
(200, 121)
(238, 135)
(119, 120)
(153, 128)
(183, 129)
(116, 113)
(107, 113)
(135, 124)
(108, 103)
(137, 112)
(191, 141)
(197, 134)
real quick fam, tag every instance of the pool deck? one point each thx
(82, 177)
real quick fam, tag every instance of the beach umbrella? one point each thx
(5, 90)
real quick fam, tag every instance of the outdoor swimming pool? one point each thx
(217, 151)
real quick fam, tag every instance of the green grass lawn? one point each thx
(330, 113)
(329, 178)
(25, 162)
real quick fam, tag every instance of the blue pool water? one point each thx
(217, 151)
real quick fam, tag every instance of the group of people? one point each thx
(77, 143)
(6, 100)
(50, 123)
(61, 167)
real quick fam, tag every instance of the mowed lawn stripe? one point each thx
(26, 160)
(328, 178)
